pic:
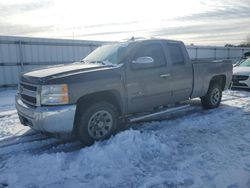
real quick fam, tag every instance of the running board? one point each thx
(160, 113)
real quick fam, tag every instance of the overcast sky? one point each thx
(202, 22)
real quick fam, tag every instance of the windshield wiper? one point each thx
(84, 61)
(99, 62)
(105, 62)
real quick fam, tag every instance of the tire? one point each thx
(213, 97)
(98, 122)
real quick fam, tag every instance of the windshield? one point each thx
(245, 63)
(107, 54)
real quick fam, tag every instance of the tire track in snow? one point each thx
(49, 145)
(23, 137)
(39, 144)
(60, 146)
(23, 141)
(26, 146)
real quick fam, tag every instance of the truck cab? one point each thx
(166, 79)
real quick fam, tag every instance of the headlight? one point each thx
(54, 94)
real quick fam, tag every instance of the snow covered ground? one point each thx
(204, 148)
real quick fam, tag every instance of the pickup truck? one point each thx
(116, 84)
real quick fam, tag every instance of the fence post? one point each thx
(21, 54)
(196, 53)
(215, 53)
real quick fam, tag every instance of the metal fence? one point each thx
(210, 52)
(19, 54)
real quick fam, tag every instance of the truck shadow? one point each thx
(195, 109)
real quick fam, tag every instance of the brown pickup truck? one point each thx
(121, 82)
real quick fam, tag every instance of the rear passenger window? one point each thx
(153, 50)
(176, 54)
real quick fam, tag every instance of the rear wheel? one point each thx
(213, 97)
(98, 122)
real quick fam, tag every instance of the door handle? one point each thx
(165, 75)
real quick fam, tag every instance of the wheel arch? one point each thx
(220, 79)
(111, 96)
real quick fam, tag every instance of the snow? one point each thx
(7, 100)
(9, 122)
(202, 148)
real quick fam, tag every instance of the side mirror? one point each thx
(143, 62)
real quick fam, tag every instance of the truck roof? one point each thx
(151, 39)
(137, 40)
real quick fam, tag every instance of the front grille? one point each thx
(29, 99)
(28, 93)
(239, 84)
(240, 77)
(29, 87)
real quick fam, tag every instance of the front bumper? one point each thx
(52, 119)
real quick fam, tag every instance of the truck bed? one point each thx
(204, 70)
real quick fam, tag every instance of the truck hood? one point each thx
(241, 70)
(41, 76)
(62, 69)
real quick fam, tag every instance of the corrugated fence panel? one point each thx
(192, 52)
(210, 52)
(206, 53)
(234, 53)
(2, 77)
(21, 54)
(27, 53)
(221, 53)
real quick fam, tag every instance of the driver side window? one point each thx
(153, 50)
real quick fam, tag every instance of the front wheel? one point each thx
(213, 97)
(98, 122)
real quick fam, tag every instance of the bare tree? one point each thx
(248, 39)
(246, 43)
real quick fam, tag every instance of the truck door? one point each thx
(181, 71)
(148, 83)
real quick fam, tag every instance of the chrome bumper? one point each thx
(53, 119)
